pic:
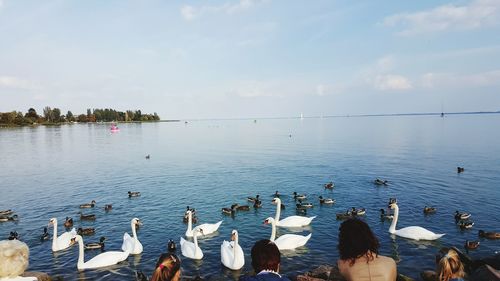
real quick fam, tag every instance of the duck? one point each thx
(297, 196)
(229, 211)
(471, 245)
(489, 235)
(45, 236)
(286, 241)
(6, 212)
(95, 245)
(63, 241)
(344, 216)
(257, 204)
(276, 194)
(9, 218)
(68, 222)
(326, 200)
(385, 216)
(14, 235)
(429, 210)
(466, 224)
(253, 199)
(148, 156)
(88, 217)
(132, 244)
(300, 209)
(329, 185)
(134, 194)
(171, 247)
(410, 232)
(305, 205)
(231, 253)
(461, 215)
(85, 231)
(88, 205)
(241, 208)
(108, 207)
(460, 169)
(291, 221)
(101, 260)
(191, 249)
(208, 228)
(358, 212)
(378, 181)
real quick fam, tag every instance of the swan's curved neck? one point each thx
(195, 238)
(54, 238)
(278, 211)
(392, 228)
(190, 222)
(273, 231)
(81, 261)
(134, 232)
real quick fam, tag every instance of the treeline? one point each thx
(54, 116)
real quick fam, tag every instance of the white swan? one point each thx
(291, 221)
(287, 241)
(62, 242)
(410, 232)
(208, 228)
(191, 249)
(231, 254)
(101, 260)
(132, 244)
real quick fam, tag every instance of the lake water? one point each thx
(48, 171)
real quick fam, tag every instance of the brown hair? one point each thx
(356, 239)
(450, 266)
(167, 267)
(265, 256)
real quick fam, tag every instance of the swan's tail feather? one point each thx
(126, 236)
(439, 235)
(73, 231)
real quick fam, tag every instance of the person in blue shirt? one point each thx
(266, 259)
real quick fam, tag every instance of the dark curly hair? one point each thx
(356, 240)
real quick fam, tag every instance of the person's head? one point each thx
(14, 258)
(265, 256)
(168, 268)
(356, 240)
(450, 266)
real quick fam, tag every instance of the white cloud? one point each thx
(17, 83)
(392, 82)
(453, 80)
(476, 14)
(190, 12)
(385, 63)
(320, 89)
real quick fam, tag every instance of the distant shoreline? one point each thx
(74, 123)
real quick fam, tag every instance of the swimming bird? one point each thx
(461, 216)
(171, 246)
(253, 199)
(460, 170)
(276, 194)
(88, 217)
(134, 194)
(132, 244)
(344, 216)
(358, 212)
(148, 156)
(410, 232)
(207, 228)
(378, 181)
(329, 185)
(14, 235)
(306, 204)
(326, 200)
(291, 221)
(96, 245)
(466, 224)
(257, 204)
(385, 216)
(108, 207)
(85, 231)
(429, 210)
(297, 196)
(241, 208)
(300, 209)
(231, 253)
(489, 235)
(229, 211)
(45, 235)
(9, 218)
(88, 205)
(101, 260)
(68, 222)
(471, 245)
(191, 249)
(286, 241)
(64, 240)
(6, 212)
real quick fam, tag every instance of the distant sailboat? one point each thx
(442, 111)
(301, 116)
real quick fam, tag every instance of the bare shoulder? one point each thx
(386, 260)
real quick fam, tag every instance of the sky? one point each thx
(250, 58)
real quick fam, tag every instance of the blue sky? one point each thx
(250, 58)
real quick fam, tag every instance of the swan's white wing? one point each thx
(128, 243)
(106, 259)
(64, 240)
(417, 233)
(209, 227)
(187, 248)
(226, 254)
(291, 241)
(295, 221)
(137, 247)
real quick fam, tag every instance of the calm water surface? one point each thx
(48, 171)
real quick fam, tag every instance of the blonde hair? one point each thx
(450, 266)
(14, 258)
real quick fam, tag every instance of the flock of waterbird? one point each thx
(232, 255)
